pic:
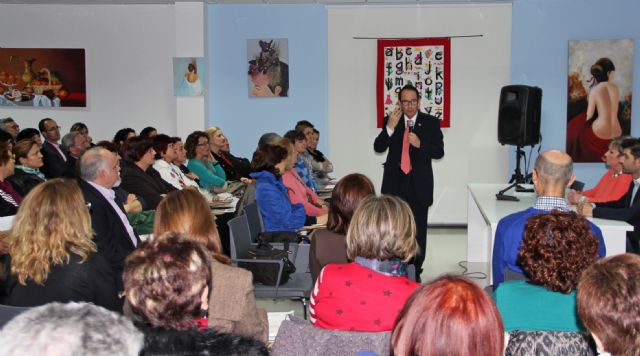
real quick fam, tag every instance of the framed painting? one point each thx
(188, 76)
(268, 74)
(599, 93)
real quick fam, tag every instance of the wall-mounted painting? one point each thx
(600, 82)
(43, 77)
(268, 67)
(188, 76)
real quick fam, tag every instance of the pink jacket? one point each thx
(298, 193)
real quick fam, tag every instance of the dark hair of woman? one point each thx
(345, 198)
(192, 142)
(134, 148)
(27, 133)
(266, 157)
(600, 70)
(78, 126)
(557, 247)
(146, 131)
(294, 136)
(122, 134)
(160, 144)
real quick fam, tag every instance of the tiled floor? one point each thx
(446, 248)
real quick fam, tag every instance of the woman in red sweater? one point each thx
(368, 294)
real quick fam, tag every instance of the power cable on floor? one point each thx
(473, 275)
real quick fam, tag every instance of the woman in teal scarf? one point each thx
(28, 162)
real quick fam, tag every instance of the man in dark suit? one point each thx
(626, 208)
(73, 144)
(413, 139)
(55, 160)
(114, 236)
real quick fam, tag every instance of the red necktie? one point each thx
(405, 162)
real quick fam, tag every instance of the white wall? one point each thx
(129, 50)
(479, 68)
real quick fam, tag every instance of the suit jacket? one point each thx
(232, 304)
(623, 210)
(147, 184)
(111, 236)
(427, 128)
(54, 165)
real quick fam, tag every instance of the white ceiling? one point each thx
(89, 2)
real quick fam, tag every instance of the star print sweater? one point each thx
(351, 297)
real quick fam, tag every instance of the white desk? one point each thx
(484, 212)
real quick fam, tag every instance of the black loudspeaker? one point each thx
(519, 115)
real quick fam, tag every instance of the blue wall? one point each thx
(244, 119)
(540, 34)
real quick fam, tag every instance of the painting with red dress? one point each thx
(600, 82)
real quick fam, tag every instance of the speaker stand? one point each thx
(517, 177)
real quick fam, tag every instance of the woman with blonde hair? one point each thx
(367, 294)
(232, 305)
(53, 257)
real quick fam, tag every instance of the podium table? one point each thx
(484, 212)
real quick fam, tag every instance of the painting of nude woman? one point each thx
(599, 96)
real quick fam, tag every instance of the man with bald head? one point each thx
(552, 174)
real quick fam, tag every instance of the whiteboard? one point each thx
(480, 67)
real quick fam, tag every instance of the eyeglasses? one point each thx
(409, 102)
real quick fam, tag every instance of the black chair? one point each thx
(298, 286)
(8, 312)
(254, 219)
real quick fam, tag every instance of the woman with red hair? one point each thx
(449, 316)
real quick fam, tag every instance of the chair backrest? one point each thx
(252, 211)
(8, 312)
(299, 337)
(549, 343)
(239, 236)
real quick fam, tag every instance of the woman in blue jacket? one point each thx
(278, 214)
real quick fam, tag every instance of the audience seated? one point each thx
(211, 174)
(123, 135)
(232, 305)
(113, 234)
(298, 192)
(10, 199)
(83, 129)
(557, 247)
(614, 183)
(165, 155)
(241, 164)
(149, 132)
(27, 171)
(138, 175)
(367, 294)
(181, 160)
(449, 316)
(608, 304)
(269, 138)
(55, 160)
(30, 133)
(216, 144)
(627, 208)
(278, 214)
(303, 169)
(73, 144)
(10, 126)
(167, 283)
(319, 162)
(58, 329)
(329, 245)
(552, 174)
(52, 255)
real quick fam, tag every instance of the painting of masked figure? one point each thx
(600, 82)
(268, 74)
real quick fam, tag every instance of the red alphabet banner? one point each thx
(423, 63)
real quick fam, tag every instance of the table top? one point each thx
(493, 209)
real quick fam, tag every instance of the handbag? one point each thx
(267, 273)
(279, 237)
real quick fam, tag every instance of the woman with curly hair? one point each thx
(53, 257)
(232, 304)
(556, 249)
(167, 283)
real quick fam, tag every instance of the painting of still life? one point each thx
(268, 67)
(600, 83)
(188, 76)
(43, 77)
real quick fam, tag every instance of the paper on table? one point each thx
(275, 319)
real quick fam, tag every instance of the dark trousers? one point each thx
(420, 215)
